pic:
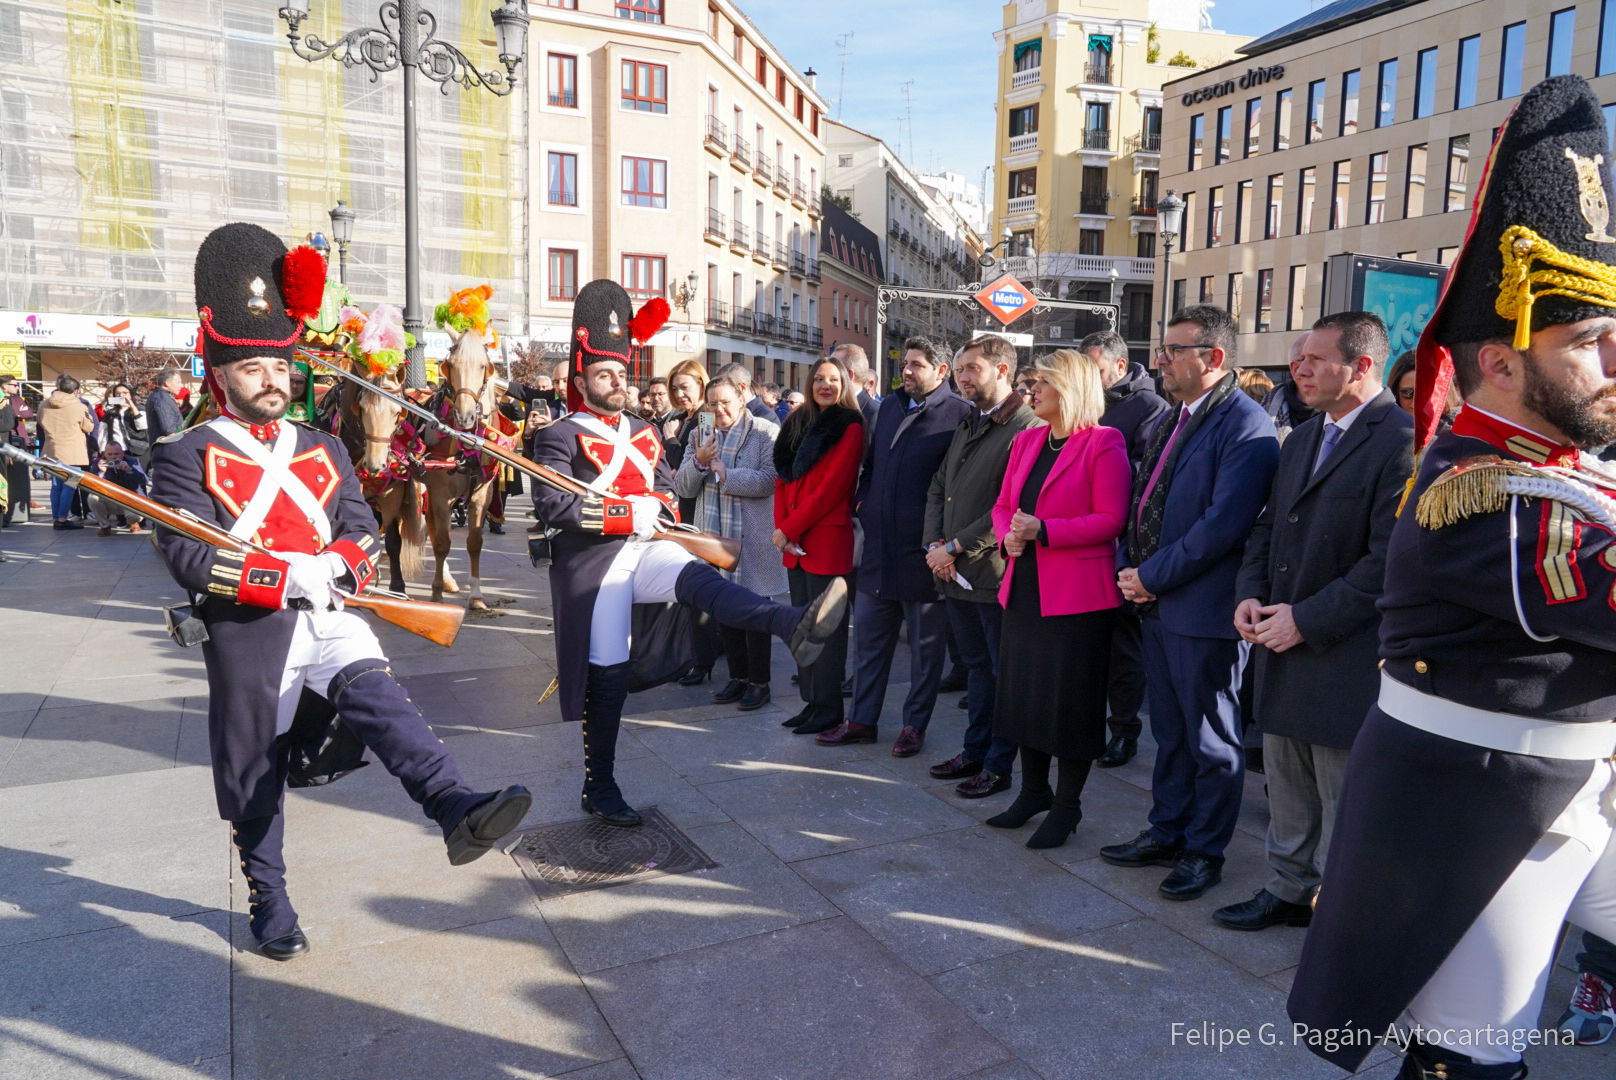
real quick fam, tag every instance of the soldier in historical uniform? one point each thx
(1476, 814)
(274, 617)
(605, 557)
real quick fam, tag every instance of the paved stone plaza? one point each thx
(861, 922)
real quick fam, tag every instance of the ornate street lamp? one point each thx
(685, 295)
(1008, 242)
(405, 40)
(342, 220)
(1169, 212)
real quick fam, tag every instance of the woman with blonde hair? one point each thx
(1062, 506)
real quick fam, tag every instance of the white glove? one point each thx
(647, 511)
(311, 576)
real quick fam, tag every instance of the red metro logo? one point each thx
(1006, 299)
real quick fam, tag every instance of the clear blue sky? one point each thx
(946, 48)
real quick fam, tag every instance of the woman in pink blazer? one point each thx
(1059, 513)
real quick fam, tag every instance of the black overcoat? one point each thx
(1320, 546)
(247, 645)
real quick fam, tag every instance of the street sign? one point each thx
(1006, 299)
(1020, 341)
(197, 370)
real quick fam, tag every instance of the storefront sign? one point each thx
(1252, 77)
(71, 331)
(13, 360)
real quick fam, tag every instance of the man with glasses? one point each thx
(1197, 494)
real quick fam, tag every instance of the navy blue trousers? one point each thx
(976, 632)
(876, 624)
(1194, 688)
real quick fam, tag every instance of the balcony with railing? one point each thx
(892, 229)
(1097, 74)
(763, 168)
(1096, 138)
(781, 261)
(782, 179)
(1143, 206)
(799, 265)
(740, 154)
(737, 238)
(1021, 204)
(799, 193)
(717, 137)
(1023, 79)
(717, 313)
(1146, 142)
(814, 207)
(760, 247)
(715, 233)
(813, 270)
(1064, 264)
(565, 99)
(816, 338)
(1021, 144)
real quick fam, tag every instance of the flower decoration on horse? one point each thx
(465, 310)
(376, 342)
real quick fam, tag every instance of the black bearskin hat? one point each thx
(605, 327)
(1540, 251)
(252, 295)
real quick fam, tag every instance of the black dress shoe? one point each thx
(819, 719)
(800, 719)
(755, 697)
(1141, 851)
(983, 784)
(696, 676)
(625, 818)
(1262, 911)
(730, 691)
(486, 822)
(1193, 875)
(953, 682)
(290, 947)
(964, 703)
(1119, 751)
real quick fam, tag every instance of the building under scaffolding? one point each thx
(131, 128)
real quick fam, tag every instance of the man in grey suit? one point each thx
(1308, 586)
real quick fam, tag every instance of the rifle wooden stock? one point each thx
(438, 623)
(720, 551)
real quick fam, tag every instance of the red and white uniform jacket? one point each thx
(617, 458)
(282, 487)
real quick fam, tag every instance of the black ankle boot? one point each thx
(1058, 824)
(1022, 810)
(799, 719)
(818, 718)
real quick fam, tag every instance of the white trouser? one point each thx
(323, 643)
(1495, 977)
(642, 573)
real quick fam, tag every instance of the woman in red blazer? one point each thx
(1062, 506)
(816, 463)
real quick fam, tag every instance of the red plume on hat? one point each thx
(649, 319)
(303, 282)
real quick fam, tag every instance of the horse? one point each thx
(466, 400)
(386, 454)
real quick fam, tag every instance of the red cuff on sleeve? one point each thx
(263, 581)
(619, 517)
(359, 564)
(670, 502)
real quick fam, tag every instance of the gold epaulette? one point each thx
(1473, 486)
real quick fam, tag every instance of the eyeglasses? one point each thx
(1170, 352)
(1405, 394)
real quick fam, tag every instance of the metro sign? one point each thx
(1006, 299)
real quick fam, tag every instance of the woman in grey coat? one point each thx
(730, 474)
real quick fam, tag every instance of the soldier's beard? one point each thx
(267, 405)
(612, 401)
(1586, 421)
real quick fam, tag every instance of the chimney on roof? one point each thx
(813, 79)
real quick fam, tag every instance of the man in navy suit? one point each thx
(1196, 496)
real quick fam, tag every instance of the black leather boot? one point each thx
(805, 630)
(273, 920)
(1035, 795)
(604, 696)
(1067, 811)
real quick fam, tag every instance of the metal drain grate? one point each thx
(590, 854)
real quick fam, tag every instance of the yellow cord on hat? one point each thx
(1562, 273)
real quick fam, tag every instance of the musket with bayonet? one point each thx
(720, 551)
(438, 623)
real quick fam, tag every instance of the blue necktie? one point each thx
(1332, 435)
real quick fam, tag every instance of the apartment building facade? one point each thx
(926, 241)
(850, 257)
(1360, 128)
(674, 149)
(129, 131)
(1078, 156)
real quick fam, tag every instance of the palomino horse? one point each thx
(466, 401)
(386, 453)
